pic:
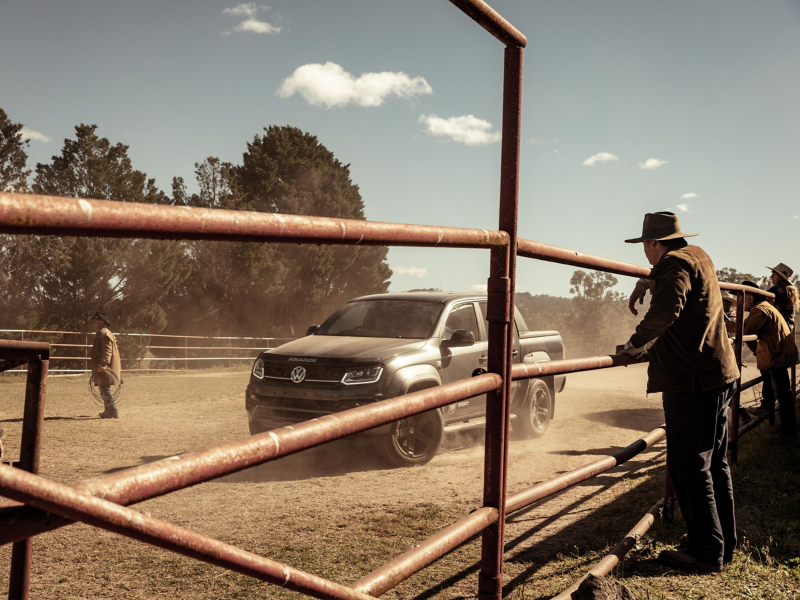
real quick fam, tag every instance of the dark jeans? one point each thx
(109, 403)
(767, 395)
(697, 453)
(782, 388)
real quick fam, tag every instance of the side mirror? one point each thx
(312, 330)
(461, 337)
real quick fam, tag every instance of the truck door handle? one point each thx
(482, 359)
(515, 353)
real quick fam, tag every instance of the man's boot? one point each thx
(110, 406)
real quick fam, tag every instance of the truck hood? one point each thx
(360, 348)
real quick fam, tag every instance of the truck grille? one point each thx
(314, 373)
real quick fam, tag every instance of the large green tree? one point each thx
(20, 258)
(126, 278)
(277, 289)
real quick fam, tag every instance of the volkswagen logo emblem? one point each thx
(298, 374)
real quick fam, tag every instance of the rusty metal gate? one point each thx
(42, 505)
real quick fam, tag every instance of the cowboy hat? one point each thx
(660, 226)
(783, 271)
(100, 316)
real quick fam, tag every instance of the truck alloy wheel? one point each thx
(533, 416)
(413, 440)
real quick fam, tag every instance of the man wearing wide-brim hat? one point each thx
(786, 300)
(693, 366)
(106, 366)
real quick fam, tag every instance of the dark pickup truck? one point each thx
(387, 345)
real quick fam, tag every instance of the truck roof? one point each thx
(442, 297)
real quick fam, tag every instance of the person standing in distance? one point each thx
(106, 366)
(775, 352)
(693, 366)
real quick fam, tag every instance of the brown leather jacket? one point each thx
(775, 348)
(105, 354)
(687, 317)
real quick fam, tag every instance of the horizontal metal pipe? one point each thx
(751, 383)
(67, 502)
(548, 253)
(526, 497)
(573, 365)
(390, 574)
(404, 566)
(752, 424)
(18, 350)
(178, 472)
(191, 337)
(51, 215)
(618, 553)
(488, 18)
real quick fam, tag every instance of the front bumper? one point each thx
(271, 406)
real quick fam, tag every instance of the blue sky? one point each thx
(706, 91)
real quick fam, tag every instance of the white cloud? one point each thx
(651, 164)
(682, 207)
(466, 129)
(478, 287)
(796, 217)
(30, 134)
(250, 23)
(600, 157)
(689, 196)
(331, 85)
(411, 271)
(243, 10)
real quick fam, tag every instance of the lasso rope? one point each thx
(116, 389)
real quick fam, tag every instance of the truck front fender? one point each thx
(417, 376)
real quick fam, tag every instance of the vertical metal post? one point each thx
(186, 353)
(30, 448)
(737, 351)
(85, 350)
(500, 312)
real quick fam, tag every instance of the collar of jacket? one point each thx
(678, 245)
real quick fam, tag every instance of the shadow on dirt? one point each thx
(341, 457)
(77, 418)
(145, 460)
(637, 419)
(539, 553)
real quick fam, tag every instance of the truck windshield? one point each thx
(383, 318)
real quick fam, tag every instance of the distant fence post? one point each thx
(186, 353)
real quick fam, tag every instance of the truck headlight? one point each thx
(368, 375)
(258, 369)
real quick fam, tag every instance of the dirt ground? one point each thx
(328, 510)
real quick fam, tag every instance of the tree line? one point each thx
(230, 288)
(213, 288)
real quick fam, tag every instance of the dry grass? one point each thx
(767, 560)
(328, 513)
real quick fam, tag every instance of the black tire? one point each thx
(413, 441)
(533, 415)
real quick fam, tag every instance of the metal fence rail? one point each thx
(101, 501)
(140, 362)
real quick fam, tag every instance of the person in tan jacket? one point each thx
(775, 352)
(693, 366)
(106, 366)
